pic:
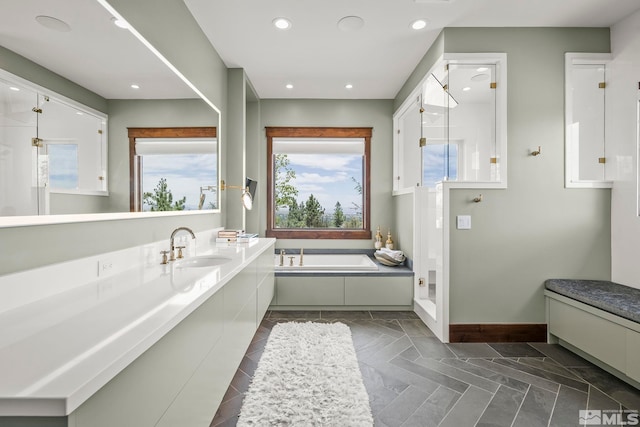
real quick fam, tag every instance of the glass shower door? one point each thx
(22, 189)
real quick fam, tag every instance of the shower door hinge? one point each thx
(493, 85)
(36, 142)
(37, 110)
(493, 160)
(602, 85)
(99, 131)
(423, 142)
(421, 282)
(602, 160)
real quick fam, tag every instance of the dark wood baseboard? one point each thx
(516, 332)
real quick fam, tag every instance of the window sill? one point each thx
(319, 234)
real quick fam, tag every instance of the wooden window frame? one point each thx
(319, 132)
(135, 162)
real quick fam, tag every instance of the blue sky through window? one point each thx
(185, 174)
(434, 163)
(329, 178)
(63, 166)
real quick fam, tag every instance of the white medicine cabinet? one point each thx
(453, 125)
(49, 144)
(585, 144)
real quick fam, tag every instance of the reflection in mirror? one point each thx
(62, 177)
(173, 169)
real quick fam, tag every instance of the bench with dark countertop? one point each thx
(621, 300)
(599, 320)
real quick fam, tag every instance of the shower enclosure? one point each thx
(49, 147)
(447, 135)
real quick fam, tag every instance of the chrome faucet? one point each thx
(282, 257)
(172, 256)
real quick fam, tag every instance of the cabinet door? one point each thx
(142, 392)
(594, 335)
(633, 355)
(369, 290)
(310, 291)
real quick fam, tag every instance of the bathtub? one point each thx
(326, 262)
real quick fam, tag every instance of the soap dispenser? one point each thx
(378, 243)
(389, 244)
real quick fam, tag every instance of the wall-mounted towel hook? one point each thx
(536, 152)
(478, 199)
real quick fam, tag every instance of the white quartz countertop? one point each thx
(57, 352)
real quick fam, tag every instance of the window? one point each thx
(318, 182)
(173, 169)
(63, 166)
(439, 163)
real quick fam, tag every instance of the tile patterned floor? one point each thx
(414, 380)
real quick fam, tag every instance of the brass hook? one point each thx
(478, 199)
(537, 152)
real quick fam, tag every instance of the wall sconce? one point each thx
(248, 191)
(203, 196)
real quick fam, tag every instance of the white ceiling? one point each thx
(314, 55)
(319, 59)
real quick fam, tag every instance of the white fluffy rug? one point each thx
(308, 375)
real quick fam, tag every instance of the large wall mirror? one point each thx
(73, 56)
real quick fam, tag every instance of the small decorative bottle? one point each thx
(378, 243)
(389, 244)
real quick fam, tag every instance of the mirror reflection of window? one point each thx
(188, 177)
(174, 169)
(63, 166)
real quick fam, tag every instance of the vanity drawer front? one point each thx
(238, 290)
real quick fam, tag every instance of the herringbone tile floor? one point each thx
(414, 380)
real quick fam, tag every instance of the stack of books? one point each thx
(235, 236)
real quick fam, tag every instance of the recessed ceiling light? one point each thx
(120, 23)
(482, 69)
(419, 24)
(289, 86)
(15, 89)
(350, 23)
(466, 88)
(348, 86)
(52, 23)
(135, 86)
(282, 23)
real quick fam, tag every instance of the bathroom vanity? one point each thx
(142, 346)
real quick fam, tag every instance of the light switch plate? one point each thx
(463, 222)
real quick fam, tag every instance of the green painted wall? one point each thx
(356, 113)
(536, 229)
(29, 70)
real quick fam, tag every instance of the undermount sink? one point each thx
(202, 261)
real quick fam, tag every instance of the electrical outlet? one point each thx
(105, 267)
